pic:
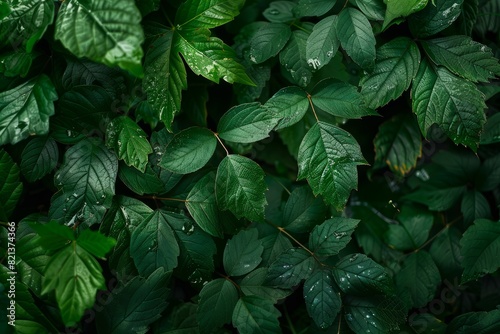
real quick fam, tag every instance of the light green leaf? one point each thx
(164, 74)
(242, 253)
(95, 243)
(189, 150)
(323, 43)
(398, 144)
(464, 57)
(290, 104)
(434, 17)
(25, 110)
(413, 230)
(420, 277)
(290, 268)
(254, 284)
(11, 186)
(396, 66)
(475, 322)
(356, 37)
(268, 41)
(313, 7)
(128, 140)
(328, 157)
(53, 235)
(454, 104)
(217, 301)
(280, 11)
(87, 179)
(39, 157)
(332, 236)
(247, 123)
(254, 314)
(240, 187)
(358, 275)
(75, 276)
(340, 99)
(399, 8)
(480, 243)
(193, 14)
(105, 31)
(25, 23)
(153, 244)
(133, 307)
(323, 302)
(303, 211)
(293, 58)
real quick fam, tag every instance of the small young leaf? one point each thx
(290, 104)
(268, 41)
(242, 253)
(332, 236)
(434, 17)
(240, 187)
(39, 157)
(323, 43)
(323, 302)
(189, 150)
(413, 230)
(479, 244)
(254, 314)
(303, 211)
(290, 268)
(10, 186)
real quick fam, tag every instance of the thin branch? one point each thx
(220, 141)
(309, 97)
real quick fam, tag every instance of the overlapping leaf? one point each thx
(290, 268)
(218, 299)
(413, 230)
(293, 58)
(269, 41)
(332, 236)
(435, 17)
(323, 302)
(10, 185)
(242, 253)
(322, 43)
(254, 314)
(290, 104)
(39, 158)
(303, 211)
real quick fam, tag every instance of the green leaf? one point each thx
(435, 17)
(189, 150)
(480, 243)
(95, 243)
(274, 245)
(16, 63)
(413, 230)
(445, 251)
(240, 187)
(247, 123)
(303, 211)
(128, 140)
(52, 235)
(322, 43)
(139, 182)
(454, 104)
(340, 99)
(396, 66)
(356, 37)
(290, 268)
(39, 157)
(332, 236)
(254, 314)
(328, 157)
(280, 11)
(254, 284)
(475, 322)
(323, 302)
(269, 41)
(373, 9)
(133, 307)
(420, 277)
(489, 174)
(242, 253)
(217, 301)
(399, 8)
(491, 133)
(194, 14)
(75, 276)
(293, 58)
(398, 144)
(290, 104)
(153, 244)
(357, 274)
(164, 74)
(373, 314)
(10, 185)
(87, 179)
(474, 205)
(25, 23)
(313, 7)
(468, 17)
(103, 31)
(25, 110)
(464, 57)
(182, 319)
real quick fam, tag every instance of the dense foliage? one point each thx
(222, 166)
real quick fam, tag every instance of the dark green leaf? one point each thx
(193, 14)
(328, 157)
(16, 63)
(290, 104)
(240, 187)
(182, 319)
(53, 235)
(293, 58)
(313, 7)
(254, 284)
(474, 205)
(322, 43)
(420, 277)
(217, 301)
(247, 123)
(10, 186)
(373, 9)
(435, 17)
(397, 9)
(332, 236)
(140, 183)
(479, 245)
(475, 322)
(323, 302)
(413, 230)
(303, 211)
(39, 158)
(268, 41)
(491, 133)
(104, 31)
(254, 314)
(489, 174)
(274, 244)
(280, 11)
(445, 251)
(396, 66)
(242, 253)
(25, 110)
(290, 268)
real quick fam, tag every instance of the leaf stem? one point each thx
(447, 226)
(230, 280)
(220, 141)
(309, 97)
